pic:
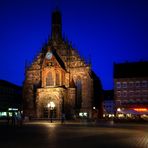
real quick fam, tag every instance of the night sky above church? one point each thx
(105, 31)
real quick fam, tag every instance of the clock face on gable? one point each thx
(49, 55)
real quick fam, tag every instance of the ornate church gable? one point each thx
(52, 59)
(59, 75)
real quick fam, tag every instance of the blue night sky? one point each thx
(108, 31)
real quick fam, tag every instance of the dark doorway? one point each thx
(47, 113)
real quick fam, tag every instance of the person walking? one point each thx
(13, 119)
(19, 119)
(63, 118)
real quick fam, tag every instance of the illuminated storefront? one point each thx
(132, 113)
(10, 98)
(131, 89)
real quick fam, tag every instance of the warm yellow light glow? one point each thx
(141, 109)
(120, 115)
(13, 109)
(129, 115)
(3, 114)
(80, 114)
(85, 114)
(144, 116)
(118, 109)
(51, 105)
(111, 115)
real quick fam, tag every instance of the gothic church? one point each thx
(60, 81)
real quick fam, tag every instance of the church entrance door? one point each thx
(50, 110)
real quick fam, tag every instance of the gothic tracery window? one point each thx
(79, 93)
(57, 79)
(49, 79)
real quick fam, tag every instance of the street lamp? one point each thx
(50, 106)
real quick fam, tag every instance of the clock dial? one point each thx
(48, 55)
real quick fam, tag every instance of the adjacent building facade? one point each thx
(10, 98)
(59, 81)
(131, 88)
(108, 104)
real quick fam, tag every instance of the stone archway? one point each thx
(50, 109)
(44, 97)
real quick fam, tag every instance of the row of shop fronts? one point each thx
(127, 113)
(118, 109)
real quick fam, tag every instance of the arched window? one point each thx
(79, 93)
(49, 80)
(57, 79)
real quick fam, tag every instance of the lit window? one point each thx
(118, 84)
(124, 93)
(3, 113)
(124, 84)
(49, 80)
(137, 93)
(131, 84)
(137, 84)
(80, 114)
(85, 114)
(57, 79)
(144, 93)
(144, 84)
(131, 93)
(118, 94)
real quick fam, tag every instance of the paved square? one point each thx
(54, 135)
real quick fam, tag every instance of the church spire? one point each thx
(56, 32)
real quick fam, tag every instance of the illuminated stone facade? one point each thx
(58, 74)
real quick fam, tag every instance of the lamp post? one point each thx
(51, 107)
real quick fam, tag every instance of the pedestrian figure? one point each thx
(13, 119)
(51, 115)
(19, 119)
(8, 118)
(63, 118)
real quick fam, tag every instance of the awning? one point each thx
(133, 112)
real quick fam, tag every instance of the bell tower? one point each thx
(56, 30)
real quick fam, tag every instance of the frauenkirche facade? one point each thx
(58, 76)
